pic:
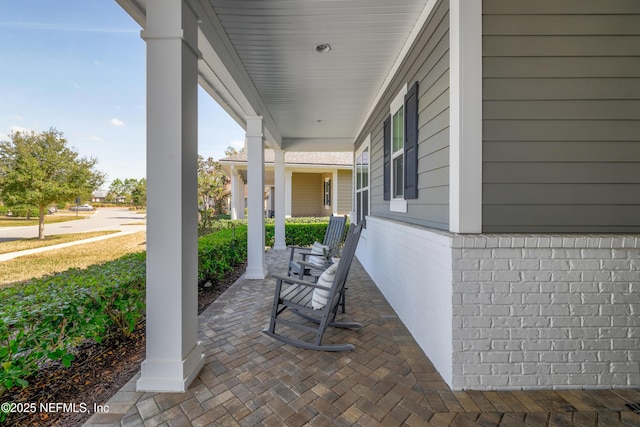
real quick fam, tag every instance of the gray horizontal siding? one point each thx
(560, 7)
(427, 63)
(561, 116)
(549, 89)
(560, 67)
(345, 192)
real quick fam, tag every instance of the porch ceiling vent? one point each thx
(323, 47)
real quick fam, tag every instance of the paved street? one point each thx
(102, 219)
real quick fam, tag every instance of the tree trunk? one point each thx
(41, 224)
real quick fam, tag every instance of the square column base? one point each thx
(256, 272)
(169, 376)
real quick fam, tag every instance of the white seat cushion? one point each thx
(320, 296)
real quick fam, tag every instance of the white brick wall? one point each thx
(547, 311)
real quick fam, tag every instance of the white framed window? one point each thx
(361, 181)
(397, 202)
(327, 193)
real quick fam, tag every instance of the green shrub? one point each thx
(215, 225)
(24, 211)
(298, 234)
(221, 252)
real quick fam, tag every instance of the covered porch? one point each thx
(249, 379)
(510, 311)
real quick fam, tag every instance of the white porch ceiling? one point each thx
(259, 58)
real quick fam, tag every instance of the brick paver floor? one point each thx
(250, 379)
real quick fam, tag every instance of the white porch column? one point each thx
(237, 194)
(334, 192)
(465, 96)
(280, 187)
(256, 266)
(173, 354)
(288, 176)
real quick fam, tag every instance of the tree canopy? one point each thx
(130, 191)
(213, 190)
(40, 169)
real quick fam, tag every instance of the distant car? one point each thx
(53, 210)
(85, 207)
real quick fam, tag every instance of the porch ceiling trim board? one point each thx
(415, 32)
(226, 79)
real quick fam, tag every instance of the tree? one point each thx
(116, 191)
(39, 169)
(212, 185)
(139, 193)
(230, 151)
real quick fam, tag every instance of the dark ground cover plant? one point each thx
(44, 319)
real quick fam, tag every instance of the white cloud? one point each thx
(95, 138)
(117, 122)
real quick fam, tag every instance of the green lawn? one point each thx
(7, 221)
(24, 244)
(78, 256)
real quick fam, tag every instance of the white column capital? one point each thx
(254, 126)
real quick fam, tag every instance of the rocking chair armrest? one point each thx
(305, 254)
(293, 250)
(294, 281)
(314, 266)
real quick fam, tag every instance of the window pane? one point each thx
(365, 203)
(365, 168)
(398, 176)
(359, 206)
(358, 176)
(398, 130)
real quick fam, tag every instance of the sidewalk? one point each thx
(11, 255)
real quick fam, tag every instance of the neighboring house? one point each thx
(497, 148)
(99, 196)
(316, 184)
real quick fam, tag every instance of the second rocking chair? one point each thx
(313, 305)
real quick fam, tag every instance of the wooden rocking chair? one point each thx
(299, 298)
(332, 239)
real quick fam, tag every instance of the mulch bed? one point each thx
(97, 373)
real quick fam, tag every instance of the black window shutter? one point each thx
(387, 159)
(411, 143)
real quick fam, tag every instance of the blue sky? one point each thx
(79, 66)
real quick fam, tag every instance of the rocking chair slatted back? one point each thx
(333, 237)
